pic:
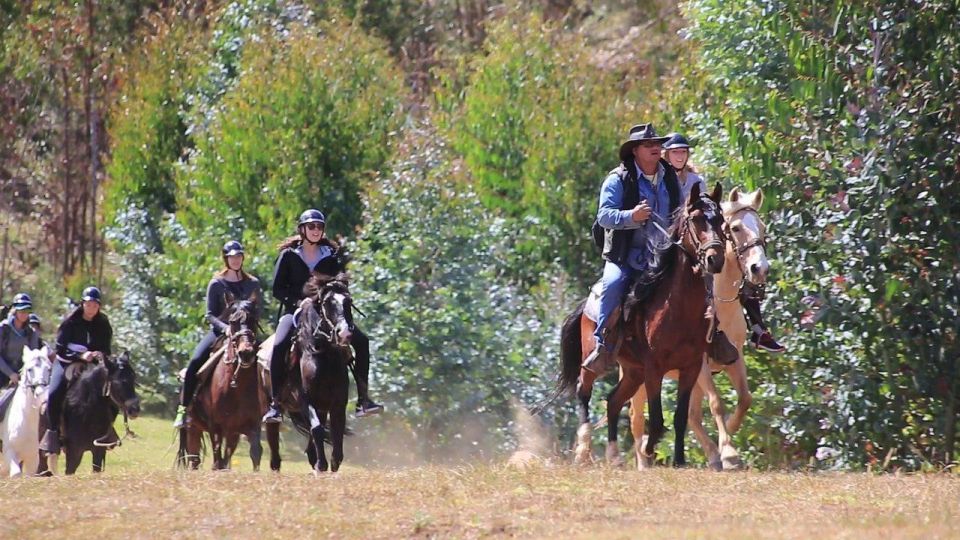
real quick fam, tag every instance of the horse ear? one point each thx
(254, 297)
(228, 297)
(734, 194)
(694, 194)
(757, 201)
(717, 193)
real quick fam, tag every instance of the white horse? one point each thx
(19, 427)
(746, 261)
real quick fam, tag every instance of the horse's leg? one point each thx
(637, 406)
(11, 465)
(583, 453)
(311, 451)
(317, 433)
(52, 461)
(273, 440)
(706, 386)
(653, 385)
(216, 441)
(99, 458)
(256, 448)
(194, 442)
(338, 426)
(73, 457)
(31, 462)
(625, 388)
(688, 379)
(738, 378)
(230, 442)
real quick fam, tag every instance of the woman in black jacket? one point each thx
(84, 336)
(301, 256)
(241, 286)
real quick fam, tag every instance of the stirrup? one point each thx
(273, 415)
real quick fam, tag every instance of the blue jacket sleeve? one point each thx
(609, 214)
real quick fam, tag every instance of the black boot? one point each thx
(367, 407)
(722, 350)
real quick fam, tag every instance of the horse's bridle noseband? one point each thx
(700, 256)
(755, 291)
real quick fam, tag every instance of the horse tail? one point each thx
(181, 459)
(570, 358)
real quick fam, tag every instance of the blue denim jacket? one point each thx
(610, 216)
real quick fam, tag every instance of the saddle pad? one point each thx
(266, 352)
(592, 308)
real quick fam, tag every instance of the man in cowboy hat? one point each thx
(643, 185)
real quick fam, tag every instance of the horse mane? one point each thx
(87, 390)
(319, 282)
(241, 311)
(661, 262)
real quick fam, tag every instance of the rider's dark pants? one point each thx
(57, 392)
(200, 355)
(752, 307)
(281, 348)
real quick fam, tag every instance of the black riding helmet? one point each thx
(676, 140)
(92, 293)
(311, 216)
(232, 248)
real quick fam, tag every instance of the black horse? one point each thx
(316, 393)
(92, 404)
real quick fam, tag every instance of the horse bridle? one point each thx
(108, 393)
(318, 330)
(756, 291)
(701, 249)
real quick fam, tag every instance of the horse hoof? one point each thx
(613, 455)
(732, 463)
(582, 455)
(715, 466)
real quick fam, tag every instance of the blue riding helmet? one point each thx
(232, 248)
(22, 302)
(34, 319)
(676, 140)
(311, 216)
(92, 293)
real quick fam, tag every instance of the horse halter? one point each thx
(325, 321)
(739, 250)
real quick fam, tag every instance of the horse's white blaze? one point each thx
(754, 259)
(19, 428)
(342, 327)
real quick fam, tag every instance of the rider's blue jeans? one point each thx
(613, 285)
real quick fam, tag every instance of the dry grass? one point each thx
(145, 499)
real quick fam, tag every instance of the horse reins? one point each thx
(701, 249)
(128, 433)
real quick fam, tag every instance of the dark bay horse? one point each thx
(232, 400)
(316, 392)
(93, 401)
(666, 331)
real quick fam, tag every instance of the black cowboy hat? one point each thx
(638, 134)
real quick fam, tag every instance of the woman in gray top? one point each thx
(242, 286)
(15, 334)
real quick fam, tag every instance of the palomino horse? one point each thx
(746, 263)
(19, 426)
(94, 399)
(665, 331)
(316, 393)
(232, 400)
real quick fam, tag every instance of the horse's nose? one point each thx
(759, 272)
(715, 263)
(346, 336)
(133, 407)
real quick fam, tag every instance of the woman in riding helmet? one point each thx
(242, 286)
(84, 336)
(15, 334)
(677, 152)
(300, 256)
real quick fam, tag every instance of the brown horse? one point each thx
(664, 332)
(745, 270)
(231, 402)
(315, 393)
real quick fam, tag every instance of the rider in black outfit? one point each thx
(242, 286)
(300, 256)
(83, 336)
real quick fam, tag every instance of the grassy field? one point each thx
(141, 496)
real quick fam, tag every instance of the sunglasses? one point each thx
(314, 226)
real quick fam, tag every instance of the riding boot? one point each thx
(599, 360)
(278, 376)
(51, 442)
(361, 374)
(760, 337)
